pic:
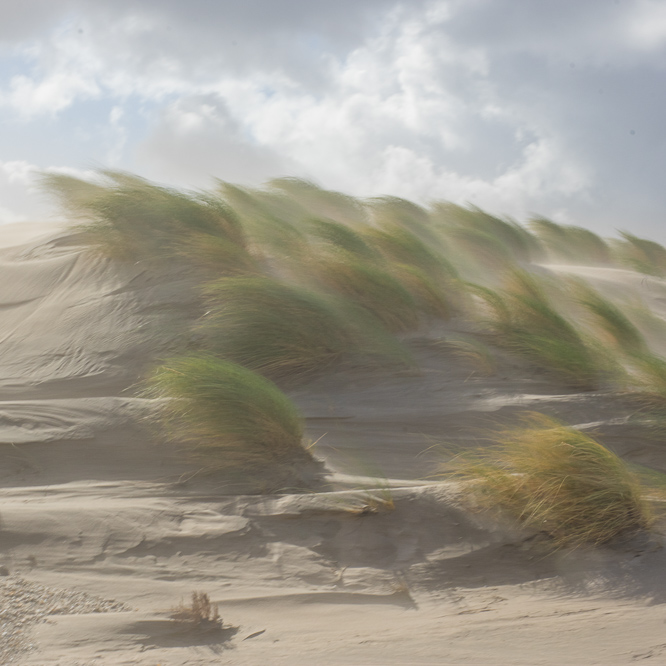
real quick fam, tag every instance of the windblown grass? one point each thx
(475, 228)
(474, 352)
(288, 332)
(228, 415)
(129, 218)
(371, 287)
(557, 480)
(400, 245)
(612, 322)
(526, 323)
(571, 244)
(319, 202)
(340, 237)
(639, 254)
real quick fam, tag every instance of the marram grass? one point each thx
(372, 287)
(228, 414)
(611, 321)
(284, 331)
(129, 218)
(526, 323)
(560, 481)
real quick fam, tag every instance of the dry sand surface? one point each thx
(103, 530)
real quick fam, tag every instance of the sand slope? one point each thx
(388, 571)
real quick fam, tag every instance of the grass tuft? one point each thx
(200, 614)
(611, 320)
(558, 480)
(526, 323)
(287, 332)
(371, 287)
(639, 254)
(229, 415)
(129, 218)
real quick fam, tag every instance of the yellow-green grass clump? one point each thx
(639, 254)
(526, 322)
(560, 481)
(319, 202)
(476, 230)
(227, 414)
(610, 320)
(337, 237)
(570, 244)
(129, 218)
(370, 286)
(284, 331)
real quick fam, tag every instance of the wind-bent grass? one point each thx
(648, 376)
(340, 237)
(227, 414)
(216, 256)
(400, 245)
(129, 218)
(319, 202)
(570, 243)
(475, 227)
(272, 223)
(474, 352)
(371, 287)
(430, 297)
(390, 212)
(526, 323)
(288, 332)
(611, 320)
(558, 480)
(639, 254)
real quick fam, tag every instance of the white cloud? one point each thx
(515, 105)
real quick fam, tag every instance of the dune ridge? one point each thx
(384, 564)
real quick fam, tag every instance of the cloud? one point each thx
(515, 105)
(196, 138)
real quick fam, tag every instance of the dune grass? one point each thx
(558, 480)
(285, 332)
(640, 254)
(526, 322)
(474, 352)
(474, 228)
(319, 202)
(370, 286)
(228, 415)
(570, 244)
(341, 237)
(128, 218)
(610, 320)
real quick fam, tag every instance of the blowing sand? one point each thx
(103, 530)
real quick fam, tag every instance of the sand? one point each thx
(104, 528)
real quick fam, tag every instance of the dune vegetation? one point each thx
(230, 416)
(290, 281)
(558, 480)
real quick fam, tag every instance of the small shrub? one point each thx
(560, 481)
(200, 614)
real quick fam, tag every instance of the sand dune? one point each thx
(384, 566)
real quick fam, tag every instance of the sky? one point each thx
(522, 107)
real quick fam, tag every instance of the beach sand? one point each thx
(104, 528)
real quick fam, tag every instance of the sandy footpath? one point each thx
(103, 529)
